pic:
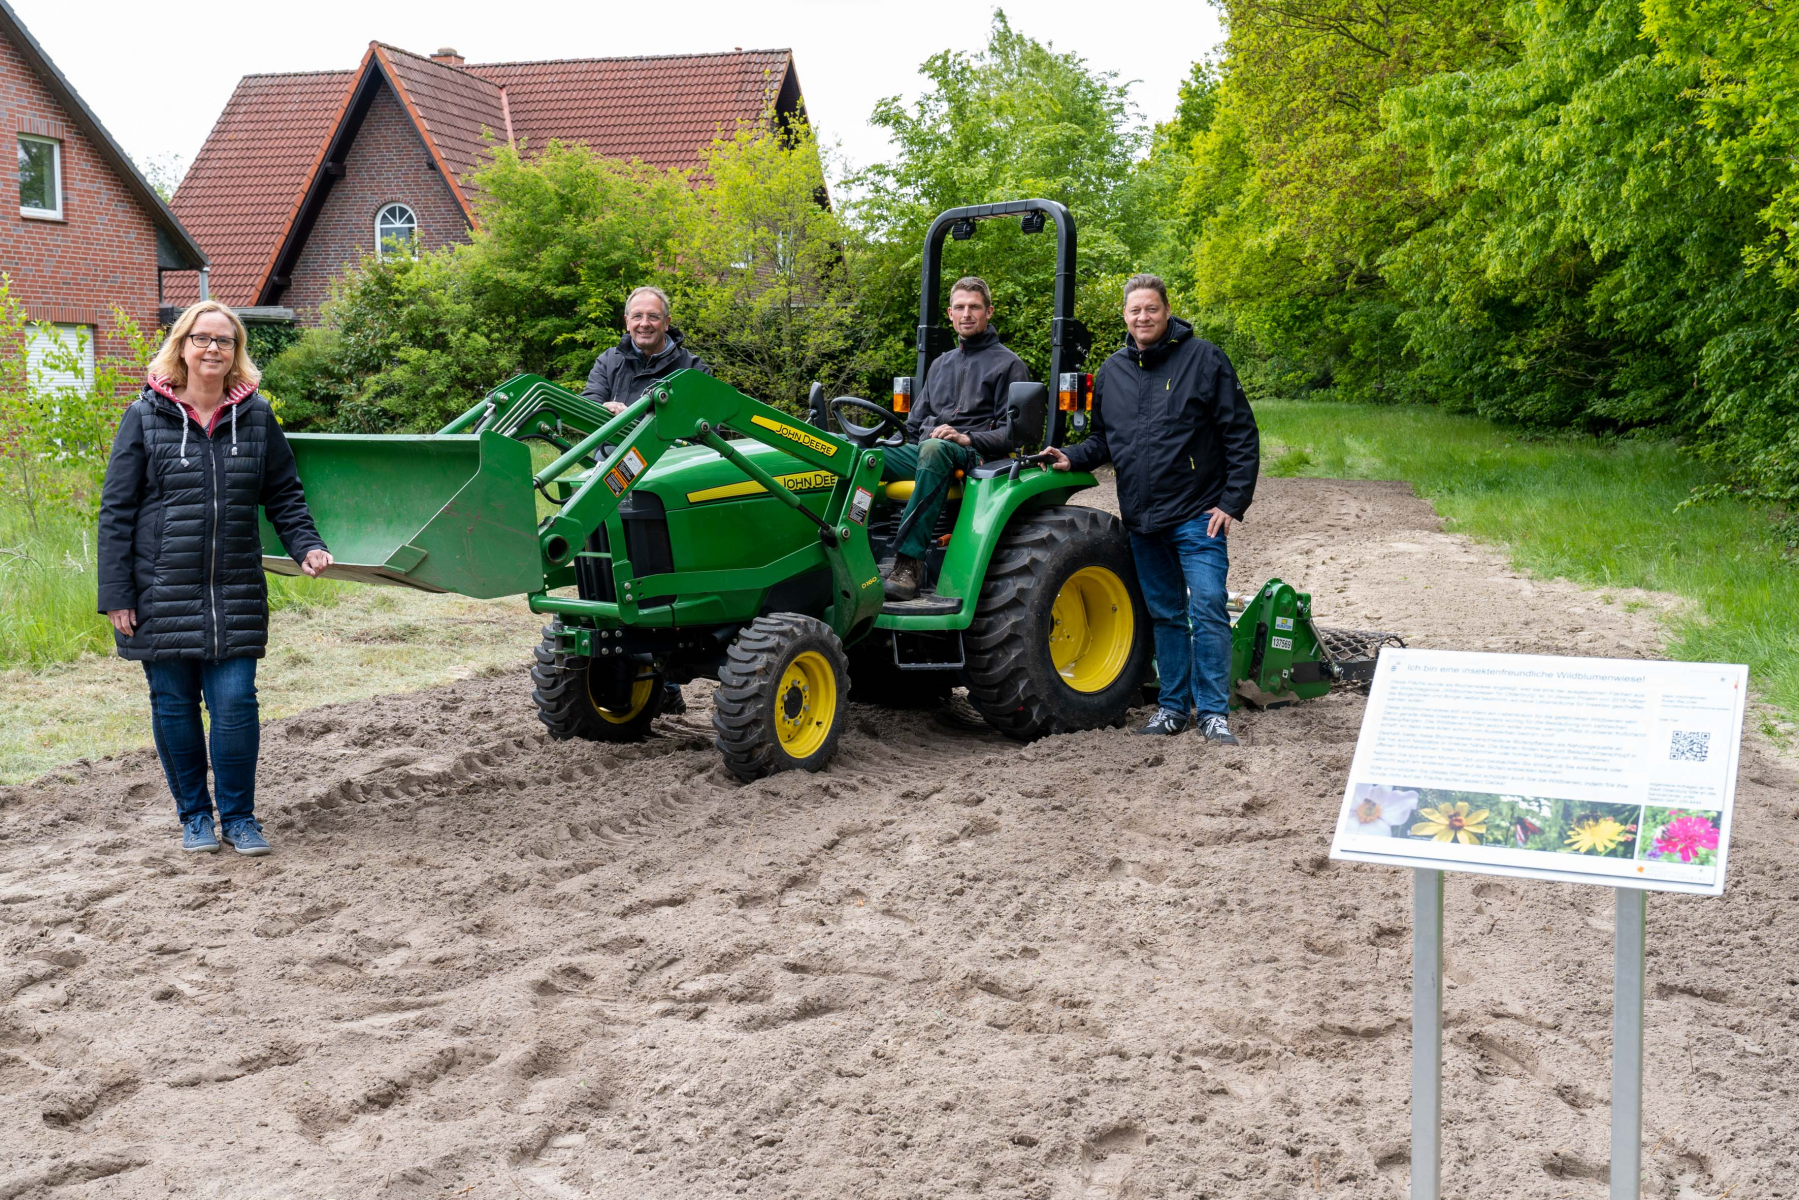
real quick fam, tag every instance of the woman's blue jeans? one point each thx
(228, 687)
(1182, 573)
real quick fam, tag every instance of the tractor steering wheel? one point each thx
(863, 436)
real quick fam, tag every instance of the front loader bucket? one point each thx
(441, 513)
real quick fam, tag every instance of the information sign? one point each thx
(1609, 771)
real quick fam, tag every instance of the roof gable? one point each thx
(244, 188)
(260, 180)
(457, 113)
(177, 249)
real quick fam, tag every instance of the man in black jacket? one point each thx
(650, 350)
(1169, 414)
(958, 422)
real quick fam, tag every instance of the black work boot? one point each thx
(672, 700)
(902, 580)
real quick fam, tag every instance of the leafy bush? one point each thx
(55, 435)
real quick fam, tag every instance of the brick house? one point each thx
(306, 173)
(81, 230)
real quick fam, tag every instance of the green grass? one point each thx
(48, 591)
(1596, 512)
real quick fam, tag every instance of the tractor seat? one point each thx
(900, 490)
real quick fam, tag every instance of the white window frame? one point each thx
(380, 242)
(52, 214)
(41, 338)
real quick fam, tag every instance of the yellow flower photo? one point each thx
(1598, 835)
(1452, 822)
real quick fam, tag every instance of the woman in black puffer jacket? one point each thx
(181, 561)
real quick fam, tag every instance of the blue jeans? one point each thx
(228, 686)
(1182, 573)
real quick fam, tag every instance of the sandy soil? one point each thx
(483, 965)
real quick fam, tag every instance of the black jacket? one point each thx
(1175, 422)
(622, 373)
(967, 389)
(179, 539)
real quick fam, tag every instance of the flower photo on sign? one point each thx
(1459, 822)
(1678, 835)
(1601, 833)
(1379, 809)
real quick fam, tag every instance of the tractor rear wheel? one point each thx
(782, 696)
(596, 699)
(1060, 639)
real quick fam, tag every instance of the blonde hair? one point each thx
(169, 365)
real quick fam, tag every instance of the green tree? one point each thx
(763, 288)
(1747, 58)
(561, 237)
(1588, 257)
(1017, 120)
(1295, 193)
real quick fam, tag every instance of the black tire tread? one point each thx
(999, 640)
(559, 689)
(743, 705)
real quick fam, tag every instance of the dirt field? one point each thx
(483, 965)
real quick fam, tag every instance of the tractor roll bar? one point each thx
(1062, 324)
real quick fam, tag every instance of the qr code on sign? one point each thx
(1689, 747)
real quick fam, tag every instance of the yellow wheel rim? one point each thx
(1090, 639)
(641, 691)
(806, 704)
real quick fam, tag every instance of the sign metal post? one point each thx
(1627, 1045)
(1427, 1033)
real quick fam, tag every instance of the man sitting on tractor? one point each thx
(958, 422)
(650, 350)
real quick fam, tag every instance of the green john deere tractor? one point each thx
(704, 533)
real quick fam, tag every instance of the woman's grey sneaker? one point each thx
(1217, 728)
(197, 835)
(1165, 722)
(246, 837)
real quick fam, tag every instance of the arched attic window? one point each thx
(396, 231)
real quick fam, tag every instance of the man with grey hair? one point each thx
(650, 350)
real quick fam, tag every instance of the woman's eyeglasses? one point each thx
(203, 340)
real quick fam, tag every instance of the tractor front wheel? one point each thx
(1060, 639)
(598, 700)
(782, 696)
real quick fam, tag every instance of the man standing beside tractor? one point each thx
(958, 422)
(650, 350)
(1169, 413)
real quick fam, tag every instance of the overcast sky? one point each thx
(157, 74)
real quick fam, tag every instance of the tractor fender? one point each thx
(989, 507)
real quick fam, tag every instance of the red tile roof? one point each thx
(244, 193)
(661, 110)
(241, 193)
